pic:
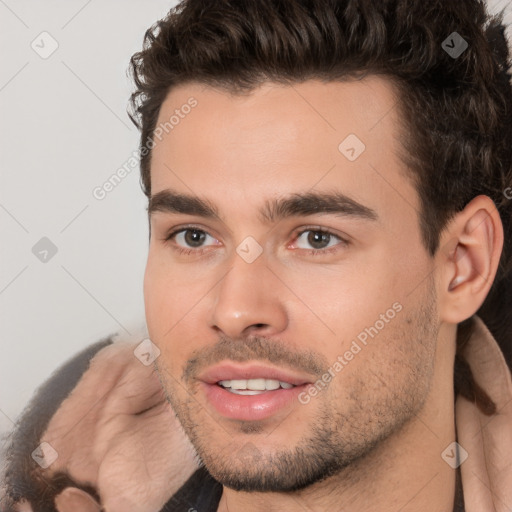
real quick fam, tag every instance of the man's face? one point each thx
(302, 265)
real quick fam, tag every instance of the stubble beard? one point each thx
(336, 438)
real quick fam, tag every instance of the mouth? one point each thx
(251, 392)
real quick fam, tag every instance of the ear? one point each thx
(468, 258)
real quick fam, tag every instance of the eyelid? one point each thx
(173, 232)
(184, 250)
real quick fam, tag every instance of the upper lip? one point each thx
(234, 371)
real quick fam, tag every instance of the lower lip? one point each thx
(250, 407)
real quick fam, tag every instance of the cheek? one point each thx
(348, 298)
(360, 314)
(169, 293)
(172, 305)
(154, 295)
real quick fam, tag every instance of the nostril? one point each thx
(256, 329)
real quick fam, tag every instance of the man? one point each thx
(330, 237)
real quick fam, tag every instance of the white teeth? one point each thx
(255, 384)
(239, 384)
(271, 384)
(249, 385)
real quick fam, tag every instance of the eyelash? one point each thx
(182, 250)
(312, 252)
(316, 229)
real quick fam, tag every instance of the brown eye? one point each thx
(318, 239)
(194, 237)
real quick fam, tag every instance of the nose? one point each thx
(249, 301)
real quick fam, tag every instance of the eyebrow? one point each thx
(169, 201)
(314, 203)
(295, 205)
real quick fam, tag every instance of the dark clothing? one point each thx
(202, 493)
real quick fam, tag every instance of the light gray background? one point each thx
(64, 131)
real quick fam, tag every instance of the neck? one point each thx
(404, 472)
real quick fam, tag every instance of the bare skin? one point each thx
(377, 432)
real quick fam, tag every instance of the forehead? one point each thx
(280, 139)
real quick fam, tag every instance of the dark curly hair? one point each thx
(456, 112)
